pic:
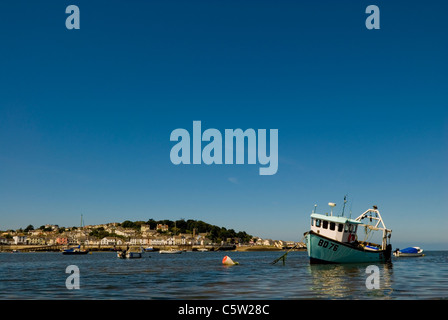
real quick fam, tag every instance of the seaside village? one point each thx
(116, 236)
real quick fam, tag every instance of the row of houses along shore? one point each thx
(52, 235)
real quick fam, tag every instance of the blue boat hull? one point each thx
(324, 250)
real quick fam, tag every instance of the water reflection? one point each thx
(348, 281)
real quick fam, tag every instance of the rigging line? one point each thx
(343, 208)
(286, 253)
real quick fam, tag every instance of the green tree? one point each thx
(99, 233)
(152, 223)
(128, 224)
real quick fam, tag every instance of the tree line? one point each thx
(215, 233)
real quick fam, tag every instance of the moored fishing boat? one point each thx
(334, 239)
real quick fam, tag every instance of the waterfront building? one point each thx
(158, 242)
(110, 241)
(19, 239)
(62, 240)
(36, 240)
(137, 241)
(92, 241)
(4, 240)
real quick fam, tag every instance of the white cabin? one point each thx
(341, 229)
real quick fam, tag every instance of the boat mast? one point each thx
(343, 208)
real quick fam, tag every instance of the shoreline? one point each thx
(265, 248)
(59, 248)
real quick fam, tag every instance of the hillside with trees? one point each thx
(215, 233)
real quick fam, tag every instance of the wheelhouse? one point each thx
(341, 229)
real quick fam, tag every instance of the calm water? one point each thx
(200, 275)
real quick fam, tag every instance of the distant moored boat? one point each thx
(172, 251)
(409, 252)
(74, 251)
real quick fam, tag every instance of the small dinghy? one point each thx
(409, 252)
(133, 255)
(127, 254)
(74, 251)
(172, 251)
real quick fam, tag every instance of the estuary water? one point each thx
(201, 275)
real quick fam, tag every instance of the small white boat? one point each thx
(202, 249)
(133, 255)
(409, 252)
(172, 251)
(129, 255)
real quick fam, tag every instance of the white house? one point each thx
(4, 240)
(158, 242)
(19, 239)
(125, 232)
(36, 232)
(92, 242)
(180, 240)
(110, 241)
(138, 241)
(176, 240)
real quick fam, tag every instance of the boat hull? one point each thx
(408, 254)
(133, 255)
(170, 251)
(325, 250)
(74, 252)
(129, 255)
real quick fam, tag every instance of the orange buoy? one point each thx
(228, 261)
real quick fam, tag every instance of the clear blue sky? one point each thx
(86, 115)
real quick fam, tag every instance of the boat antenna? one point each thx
(315, 206)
